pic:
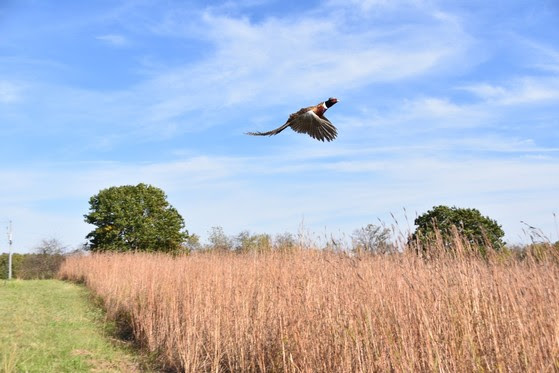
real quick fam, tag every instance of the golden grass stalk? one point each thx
(312, 311)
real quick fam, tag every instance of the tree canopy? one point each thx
(134, 218)
(478, 230)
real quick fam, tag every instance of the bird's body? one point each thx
(309, 120)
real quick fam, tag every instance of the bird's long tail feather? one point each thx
(269, 133)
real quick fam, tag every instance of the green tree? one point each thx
(480, 231)
(134, 218)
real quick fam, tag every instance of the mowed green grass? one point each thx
(52, 326)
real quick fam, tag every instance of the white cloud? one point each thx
(113, 39)
(541, 56)
(532, 91)
(376, 5)
(486, 91)
(10, 92)
(527, 90)
(272, 193)
(275, 60)
(430, 107)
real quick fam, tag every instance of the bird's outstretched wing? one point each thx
(313, 125)
(270, 133)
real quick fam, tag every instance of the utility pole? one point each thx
(10, 251)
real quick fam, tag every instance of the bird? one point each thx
(309, 120)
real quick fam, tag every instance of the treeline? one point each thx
(43, 263)
(371, 240)
(31, 266)
(368, 240)
(140, 219)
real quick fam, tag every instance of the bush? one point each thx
(285, 242)
(17, 260)
(543, 251)
(372, 239)
(40, 266)
(218, 240)
(192, 243)
(31, 266)
(246, 242)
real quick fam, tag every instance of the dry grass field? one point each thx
(313, 311)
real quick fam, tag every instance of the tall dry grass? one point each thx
(318, 312)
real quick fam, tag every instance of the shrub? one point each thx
(40, 266)
(373, 239)
(218, 240)
(247, 242)
(17, 260)
(285, 242)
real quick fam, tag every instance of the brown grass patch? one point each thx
(321, 312)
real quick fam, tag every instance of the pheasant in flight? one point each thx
(309, 120)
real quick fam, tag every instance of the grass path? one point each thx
(51, 326)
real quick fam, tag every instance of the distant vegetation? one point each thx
(42, 264)
(139, 218)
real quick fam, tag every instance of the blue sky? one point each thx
(452, 103)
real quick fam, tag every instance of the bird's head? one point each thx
(331, 101)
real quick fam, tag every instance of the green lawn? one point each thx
(51, 326)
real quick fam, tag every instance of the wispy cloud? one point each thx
(10, 92)
(544, 56)
(519, 91)
(113, 39)
(280, 62)
(272, 193)
(264, 63)
(377, 5)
